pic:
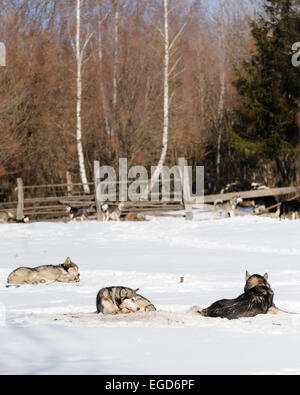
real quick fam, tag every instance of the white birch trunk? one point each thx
(222, 96)
(166, 99)
(79, 59)
(220, 115)
(116, 55)
(100, 55)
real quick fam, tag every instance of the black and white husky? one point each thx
(290, 209)
(79, 213)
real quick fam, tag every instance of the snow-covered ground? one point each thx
(53, 329)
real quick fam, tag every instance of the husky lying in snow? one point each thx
(227, 208)
(116, 300)
(144, 304)
(68, 272)
(109, 300)
(257, 299)
(128, 306)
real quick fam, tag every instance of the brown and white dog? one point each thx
(67, 272)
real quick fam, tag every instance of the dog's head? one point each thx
(130, 304)
(105, 208)
(72, 270)
(256, 280)
(234, 202)
(128, 293)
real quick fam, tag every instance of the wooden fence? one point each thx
(70, 194)
(50, 207)
(149, 207)
(252, 194)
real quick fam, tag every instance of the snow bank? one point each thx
(53, 329)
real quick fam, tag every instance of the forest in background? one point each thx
(122, 90)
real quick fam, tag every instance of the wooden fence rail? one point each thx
(55, 205)
(251, 194)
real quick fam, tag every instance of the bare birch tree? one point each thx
(117, 16)
(220, 21)
(100, 56)
(116, 5)
(167, 72)
(79, 50)
(221, 105)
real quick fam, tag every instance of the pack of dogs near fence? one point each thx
(67, 202)
(258, 297)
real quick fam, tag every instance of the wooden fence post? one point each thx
(2, 55)
(20, 207)
(184, 173)
(100, 216)
(69, 183)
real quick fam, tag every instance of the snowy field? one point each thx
(53, 329)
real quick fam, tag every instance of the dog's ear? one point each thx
(68, 263)
(135, 291)
(248, 275)
(266, 276)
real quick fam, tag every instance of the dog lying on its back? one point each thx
(68, 272)
(115, 300)
(257, 299)
(110, 299)
(144, 304)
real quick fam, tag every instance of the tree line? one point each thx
(98, 84)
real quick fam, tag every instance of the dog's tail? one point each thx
(276, 310)
(195, 310)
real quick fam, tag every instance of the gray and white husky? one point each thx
(116, 300)
(112, 212)
(67, 272)
(144, 304)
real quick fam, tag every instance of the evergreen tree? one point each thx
(267, 127)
